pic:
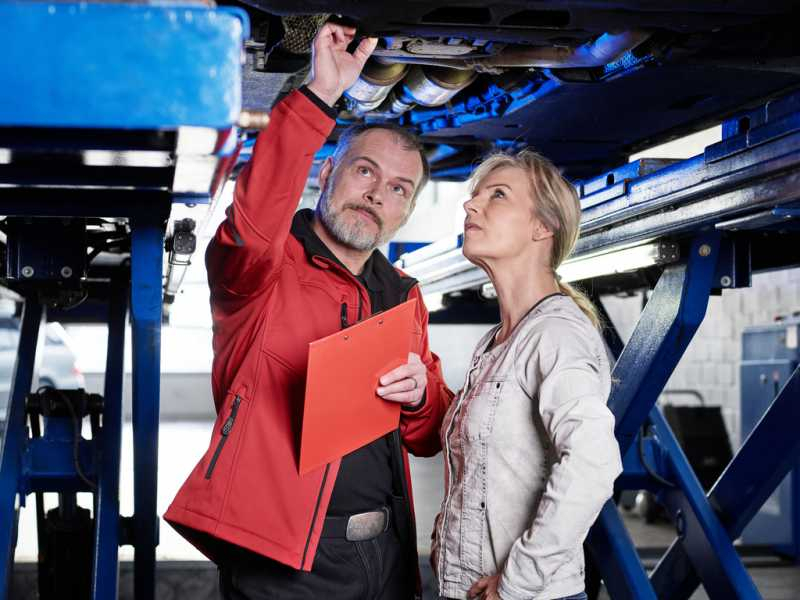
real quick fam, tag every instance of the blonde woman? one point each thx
(530, 453)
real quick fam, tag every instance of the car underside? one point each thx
(585, 83)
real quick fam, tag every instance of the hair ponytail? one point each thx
(583, 302)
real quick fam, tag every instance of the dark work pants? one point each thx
(375, 569)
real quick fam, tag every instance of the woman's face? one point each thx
(500, 222)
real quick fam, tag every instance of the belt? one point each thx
(359, 527)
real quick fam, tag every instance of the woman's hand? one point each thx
(333, 68)
(485, 588)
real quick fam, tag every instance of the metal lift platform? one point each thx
(116, 135)
(687, 229)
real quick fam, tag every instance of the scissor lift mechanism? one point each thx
(125, 162)
(698, 226)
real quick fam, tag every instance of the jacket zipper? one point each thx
(316, 510)
(226, 430)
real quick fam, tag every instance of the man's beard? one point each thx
(356, 235)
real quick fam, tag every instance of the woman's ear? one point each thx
(540, 231)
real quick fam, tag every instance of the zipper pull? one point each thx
(226, 428)
(345, 324)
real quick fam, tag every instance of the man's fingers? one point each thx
(365, 49)
(404, 385)
(401, 397)
(403, 372)
(342, 37)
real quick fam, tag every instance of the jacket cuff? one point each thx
(328, 110)
(509, 592)
(413, 409)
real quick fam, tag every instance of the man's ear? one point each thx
(540, 231)
(325, 172)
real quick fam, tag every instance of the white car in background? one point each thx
(58, 367)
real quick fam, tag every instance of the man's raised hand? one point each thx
(333, 68)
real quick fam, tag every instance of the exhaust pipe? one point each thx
(601, 51)
(431, 86)
(373, 85)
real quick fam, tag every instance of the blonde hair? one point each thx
(555, 203)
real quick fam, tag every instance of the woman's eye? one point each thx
(498, 194)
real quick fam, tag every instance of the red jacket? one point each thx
(269, 299)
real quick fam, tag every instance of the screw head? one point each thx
(725, 281)
(27, 271)
(704, 250)
(680, 524)
(66, 272)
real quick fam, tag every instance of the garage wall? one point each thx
(711, 363)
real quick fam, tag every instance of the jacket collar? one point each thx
(378, 274)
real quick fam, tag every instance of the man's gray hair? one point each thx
(407, 139)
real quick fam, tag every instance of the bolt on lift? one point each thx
(687, 229)
(117, 133)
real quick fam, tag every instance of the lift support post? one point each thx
(134, 129)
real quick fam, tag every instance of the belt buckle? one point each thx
(365, 526)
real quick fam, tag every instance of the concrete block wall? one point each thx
(711, 363)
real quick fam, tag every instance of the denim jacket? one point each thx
(530, 458)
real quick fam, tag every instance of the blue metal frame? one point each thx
(116, 82)
(15, 436)
(747, 182)
(706, 525)
(766, 456)
(665, 328)
(147, 245)
(708, 546)
(105, 571)
(105, 76)
(624, 576)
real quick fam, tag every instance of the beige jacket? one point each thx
(530, 458)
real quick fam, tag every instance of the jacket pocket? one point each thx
(225, 432)
(481, 409)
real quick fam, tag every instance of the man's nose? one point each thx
(372, 195)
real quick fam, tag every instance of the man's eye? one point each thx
(365, 171)
(399, 190)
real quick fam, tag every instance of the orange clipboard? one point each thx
(342, 412)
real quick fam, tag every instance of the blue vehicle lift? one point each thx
(113, 149)
(689, 229)
(122, 140)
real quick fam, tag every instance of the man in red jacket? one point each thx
(280, 280)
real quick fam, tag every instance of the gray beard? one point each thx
(353, 235)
